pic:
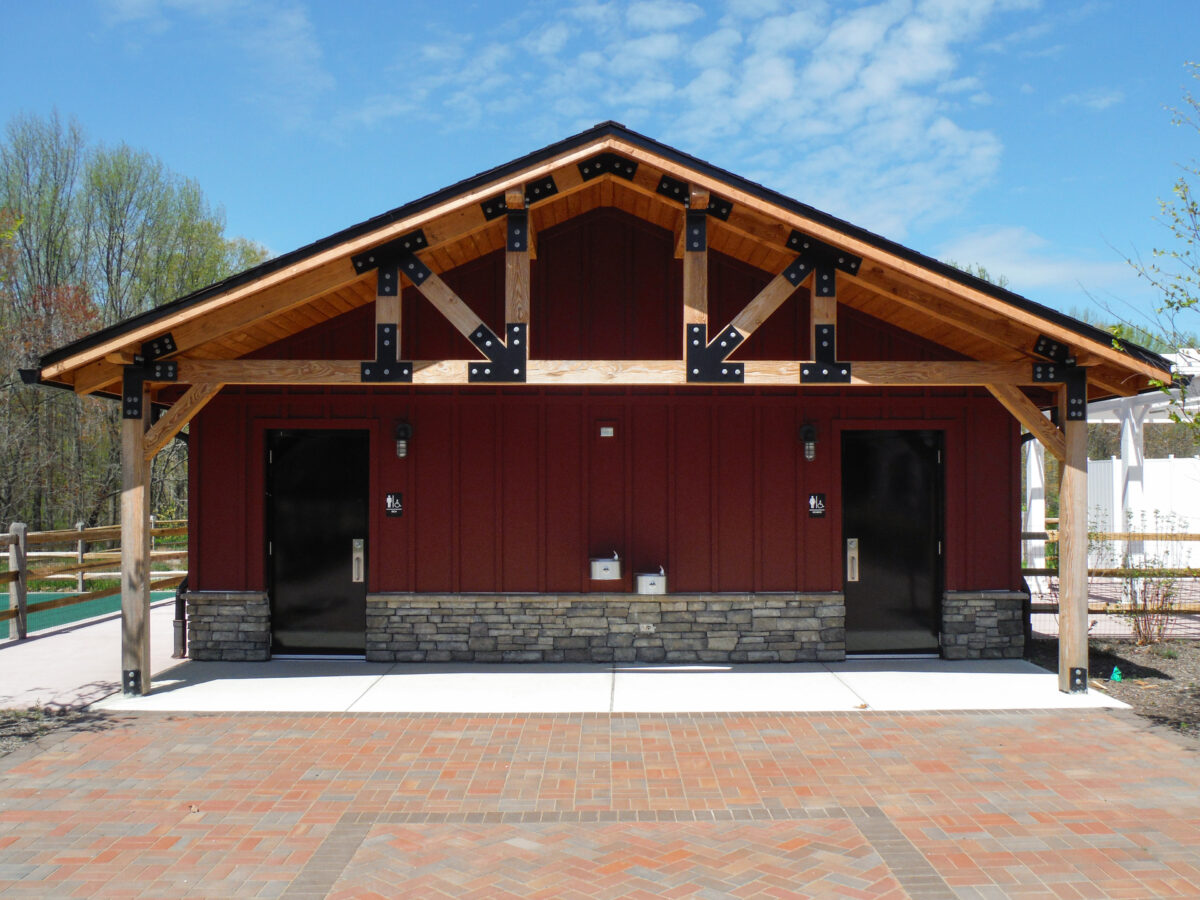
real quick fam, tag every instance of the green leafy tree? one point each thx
(980, 272)
(89, 236)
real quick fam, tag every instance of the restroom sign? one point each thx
(395, 505)
(816, 506)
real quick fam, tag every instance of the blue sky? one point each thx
(1030, 137)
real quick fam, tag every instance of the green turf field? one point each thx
(64, 615)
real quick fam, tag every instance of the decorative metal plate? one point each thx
(389, 252)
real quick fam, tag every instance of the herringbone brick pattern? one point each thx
(971, 805)
(825, 858)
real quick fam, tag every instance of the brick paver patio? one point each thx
(1014, 804)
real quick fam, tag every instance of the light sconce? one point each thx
(808, 436)
(404, 433)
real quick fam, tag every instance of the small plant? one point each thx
(1149, 584)
(1167, 652)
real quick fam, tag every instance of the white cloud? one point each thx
(849, 107)
(1097, 99)
(1031, 263)
(550, 41)
(661, 15)
(276, 42)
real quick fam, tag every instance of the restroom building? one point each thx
(607, 403)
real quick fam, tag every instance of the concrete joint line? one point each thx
(838, 678)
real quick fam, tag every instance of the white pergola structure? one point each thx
(1132, 414)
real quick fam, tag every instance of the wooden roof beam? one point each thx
(661, 372)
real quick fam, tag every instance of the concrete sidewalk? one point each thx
(80, 665)
(361, 687)
(77, 664)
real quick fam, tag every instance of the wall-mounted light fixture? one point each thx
(808, 436)
(404, 433)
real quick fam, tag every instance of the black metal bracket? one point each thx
(1075, 379)
(163, 345)
(387, 278)
(825, 369)
(708, 361)
(133, 379)
(131, 682)
(719, 207)
(673, 189)
(1079, 680)
(825, 350)
(798, 270)
(819, 254)
(387, 365)
(506, 362)
(540, 190)
(390, 252)
(606, 163)
(695, 224)
(1051, 349)
(413, 269)
(494, 207)
(518, 230)
(825, 373)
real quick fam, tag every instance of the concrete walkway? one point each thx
(79, 665)
(361, 687)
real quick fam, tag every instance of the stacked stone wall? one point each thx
(228, 625)
(605, 628)
(983, 625)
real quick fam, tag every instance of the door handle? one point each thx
(357, 559)
(852, 559)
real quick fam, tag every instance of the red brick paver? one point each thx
(974, 805)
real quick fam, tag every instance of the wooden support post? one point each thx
(135, 554)
(516, 265)
(387, 312)
(18, 590)
(1072, 562)
(695, 272)
(823, 311)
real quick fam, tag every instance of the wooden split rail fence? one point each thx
(1185, 601)
(78, 564)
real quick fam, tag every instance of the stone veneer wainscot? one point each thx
(721, 628)
(225, 625)
(984, 624)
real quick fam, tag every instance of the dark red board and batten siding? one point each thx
(513, 489)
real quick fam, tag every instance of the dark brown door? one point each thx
(317, 486)
(891, 538)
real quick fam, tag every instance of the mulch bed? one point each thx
(1160, 681)
(20, 726)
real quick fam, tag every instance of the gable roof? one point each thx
(317, 282)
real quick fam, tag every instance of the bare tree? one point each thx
(88, 236)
